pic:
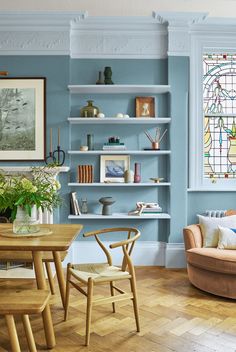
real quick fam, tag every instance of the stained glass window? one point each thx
(219, 104)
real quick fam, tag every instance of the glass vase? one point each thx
(25, 224)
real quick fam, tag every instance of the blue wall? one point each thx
(61, 71)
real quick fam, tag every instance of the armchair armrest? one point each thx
(192, 237)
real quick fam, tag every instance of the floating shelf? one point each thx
(118, 88)
(120, 152)
(123, 216)
(120, 184)
(117, 120)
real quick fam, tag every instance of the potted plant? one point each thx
(23, 195)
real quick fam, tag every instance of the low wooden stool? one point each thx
(26, 257)
(22, 302)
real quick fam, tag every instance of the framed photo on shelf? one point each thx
(113, 167)
(145, 107)
(22, 119)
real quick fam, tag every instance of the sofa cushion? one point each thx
(213, 259)
(227, 238)
(210, 230)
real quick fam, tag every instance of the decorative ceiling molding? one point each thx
(179, 24)
(118, 37)
(36, 33)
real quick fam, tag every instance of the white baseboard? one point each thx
(175, 255)
(146, 253)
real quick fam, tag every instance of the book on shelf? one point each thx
(74, 204)
(85, 174)
(152, 210)
(116, 147)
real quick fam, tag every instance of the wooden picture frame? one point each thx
(112, 167)
(22, 119)
(145, 107)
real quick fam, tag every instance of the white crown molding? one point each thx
(179, 23)
(36, 33)
(118, 37)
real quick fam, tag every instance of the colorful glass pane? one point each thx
(219, 104)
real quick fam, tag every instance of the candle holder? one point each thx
(59, 156)
(50, 159)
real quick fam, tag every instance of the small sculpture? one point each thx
(106, 202)
(107, 75)
(99, 81)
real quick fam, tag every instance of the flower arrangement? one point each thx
(39, 189)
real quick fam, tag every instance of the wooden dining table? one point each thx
(58, 241)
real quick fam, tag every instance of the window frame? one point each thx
(201, 44)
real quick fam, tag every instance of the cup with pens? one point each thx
(155, 142)
(56, 157)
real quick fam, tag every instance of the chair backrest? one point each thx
(193, 236)
(127, 245)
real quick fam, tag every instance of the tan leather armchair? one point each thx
(209, 269)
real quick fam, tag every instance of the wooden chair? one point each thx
(22, 302)
(91, 275)
(26, 257)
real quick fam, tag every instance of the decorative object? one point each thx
(90, 141)
(89, 110)
(107, 75)
(22, 119)
(157, 179)
(85, 174)
(158, 138)
(126, 116)
(119, 115)
(43, 231)
(137, 173)
(146, 208)
(129, 176)
(101, 115)
(100, 81)
(83, 148)
(112, 167)
(84, 206)
(106, 202)
(23, 195)
(145, 106)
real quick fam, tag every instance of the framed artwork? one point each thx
(145, 106)
(22, 119)
(113, 167)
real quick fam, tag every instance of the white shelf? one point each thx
(118, 88)
(120, 152)
(120, 184)
(123, 216)
(117, 120)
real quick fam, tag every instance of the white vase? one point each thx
(24, 223)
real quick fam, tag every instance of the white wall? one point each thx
(216, 8)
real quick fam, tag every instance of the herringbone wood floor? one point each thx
(175, 316)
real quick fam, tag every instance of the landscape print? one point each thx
(17, 119)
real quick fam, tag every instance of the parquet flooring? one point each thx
(175, 316)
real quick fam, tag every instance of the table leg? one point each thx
(60, 276)
(41, 284)
(15, 346)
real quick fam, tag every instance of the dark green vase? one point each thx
(107, 75)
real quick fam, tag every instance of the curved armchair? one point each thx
(93, 274)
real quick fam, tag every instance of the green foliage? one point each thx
(39, 188)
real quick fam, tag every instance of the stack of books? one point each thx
(152, 210)
(74, 204)
(114, 146)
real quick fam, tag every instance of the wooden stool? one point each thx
(26, 257)
(22, 302)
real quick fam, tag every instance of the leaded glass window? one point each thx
(219, 104)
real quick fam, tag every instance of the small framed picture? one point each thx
(145, 106)
(113, 167)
